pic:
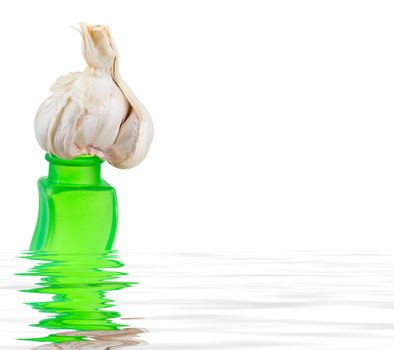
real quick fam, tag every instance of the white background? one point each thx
(273, 120)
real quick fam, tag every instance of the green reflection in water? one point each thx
(79, 284)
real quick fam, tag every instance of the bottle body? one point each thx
(77, 208)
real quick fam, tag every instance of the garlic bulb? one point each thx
(95, 112)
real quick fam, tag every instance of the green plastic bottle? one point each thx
(78, 210)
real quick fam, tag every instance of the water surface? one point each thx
(300, 300)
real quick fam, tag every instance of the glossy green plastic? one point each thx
(78, 210)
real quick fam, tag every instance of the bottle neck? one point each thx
(82, 170)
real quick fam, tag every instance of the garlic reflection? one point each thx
(95, 112)
(99, 340)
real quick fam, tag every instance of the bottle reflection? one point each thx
(78, 284)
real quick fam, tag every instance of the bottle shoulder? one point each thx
(45, 184)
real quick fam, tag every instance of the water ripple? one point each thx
(293, 300)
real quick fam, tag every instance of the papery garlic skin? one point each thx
(94, 111)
